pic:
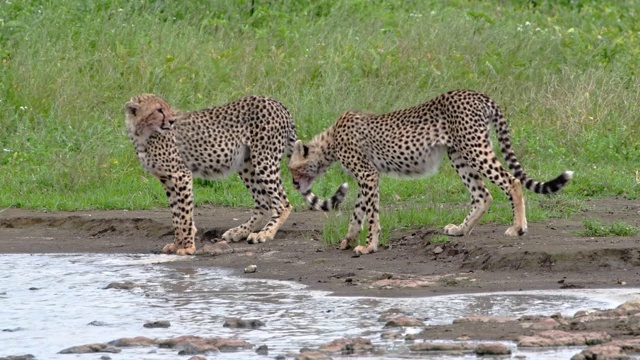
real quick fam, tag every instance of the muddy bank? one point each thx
(551, 256)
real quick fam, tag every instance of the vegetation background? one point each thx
(565, 73)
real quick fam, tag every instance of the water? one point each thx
(51, 299)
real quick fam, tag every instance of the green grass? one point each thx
(594, 228)
(565, 73)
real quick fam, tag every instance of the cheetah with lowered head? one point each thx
(412, 142)
(247, 136)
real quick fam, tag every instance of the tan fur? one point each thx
(412, 142)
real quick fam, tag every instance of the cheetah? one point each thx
(247, 136)
(412, 142)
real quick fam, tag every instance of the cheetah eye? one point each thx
(161, 111)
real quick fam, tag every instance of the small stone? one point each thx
(437, 250)
(157, 324)
(13, 329)
(238, 323)
(492, 349)
(105, 357)
(403, 321)
(122, 285)
(197, 357)
(262, 350)
(19, 357)
(97, 323)
(250, 269)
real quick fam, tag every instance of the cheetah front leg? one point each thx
(367, 207)
(179, 190)
(372, 205)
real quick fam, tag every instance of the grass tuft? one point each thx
(594, 228)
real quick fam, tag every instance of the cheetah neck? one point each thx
(323, 143)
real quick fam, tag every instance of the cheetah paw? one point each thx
(453, 230)
(186, 251)
(260, 237)
(174, 249)
(344, 244)
(236, 234)
(363, 250)
(515, 231)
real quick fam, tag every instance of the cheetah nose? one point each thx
(171, 121)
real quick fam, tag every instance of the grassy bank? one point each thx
(566, 75)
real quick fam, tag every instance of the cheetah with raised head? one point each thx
(247, 136)
(412, 142)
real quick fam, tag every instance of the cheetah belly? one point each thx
(412, 164)
(216, 164)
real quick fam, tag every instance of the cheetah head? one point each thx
(307, 162)
(148, 114)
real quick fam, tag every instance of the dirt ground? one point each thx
(550, 256)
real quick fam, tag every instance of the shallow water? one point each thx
(49, 300)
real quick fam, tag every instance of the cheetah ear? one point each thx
(132, 108)
(299, 147)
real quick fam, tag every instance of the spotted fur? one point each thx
(247, 136)
(412, 142)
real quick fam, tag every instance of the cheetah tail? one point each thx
(315, 203)
(540, 187)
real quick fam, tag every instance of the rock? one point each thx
(238, 323)
(310, 355)
(546, 324)
(262, 350)
(563, 338)
(492, 349)
(18, 357)
(601, 352)
(348, 346)
(630, 307)
(390, 313)
(484, 319)
(105, 357)
(196, 348)
(134, 341)
(250, 269)
(437, 250)
(391, 335)
(216, 249)
(197, 357)
(123, 285)
(157, 324)
(403, 321)
(431, 346)
(204, 343)
(90, 348)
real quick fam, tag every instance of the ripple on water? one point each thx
(67, 293)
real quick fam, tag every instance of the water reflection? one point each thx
(52, 299)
